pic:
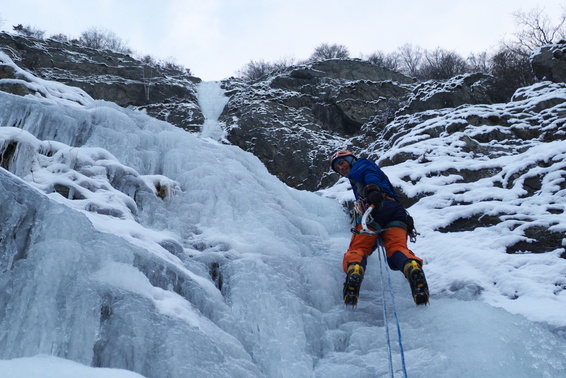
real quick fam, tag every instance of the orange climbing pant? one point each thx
(394, 240)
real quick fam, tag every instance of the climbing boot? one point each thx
(352, 284)
(417, 280)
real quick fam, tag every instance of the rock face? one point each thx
(295, 120)
(494, 150)
(460, 90)
(348, 69)
(167, 95)
(549, 62)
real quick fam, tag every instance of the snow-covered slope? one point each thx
(502, 185)
(127, 243)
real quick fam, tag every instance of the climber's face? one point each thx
(343, 167)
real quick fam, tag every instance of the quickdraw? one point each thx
(367, 219)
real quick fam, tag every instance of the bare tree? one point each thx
(441, 64)
(478, 62)
(282, 64)
(255, 70)
(59, 37)
(390, 61)
(410, 58)
(510, 70)
(510, 66)
(327, 51)
(149, 60)
(171, 65)
(29, 31)
(148, 73)
(103, 39)
(535, 30)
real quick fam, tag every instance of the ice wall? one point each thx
(212, 267)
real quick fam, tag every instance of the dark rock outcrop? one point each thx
(294, 120)
(549, 62)
(468, 89)
(110, 76)
(349, 70)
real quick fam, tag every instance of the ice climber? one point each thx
(372, 188)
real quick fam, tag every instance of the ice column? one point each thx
(211, 99)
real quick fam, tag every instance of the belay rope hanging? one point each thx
(383, 267)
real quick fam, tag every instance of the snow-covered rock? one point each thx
(166, 94)
(549, 62)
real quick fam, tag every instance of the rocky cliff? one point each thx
(549, 62)
(293, 120)
(106, 75)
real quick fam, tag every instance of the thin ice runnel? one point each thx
(212, 100)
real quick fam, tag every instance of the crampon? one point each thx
(352, 284)
(417, 281)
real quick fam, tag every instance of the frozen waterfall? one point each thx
(230, 273)
(211, 100)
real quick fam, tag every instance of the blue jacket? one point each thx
(365, 172)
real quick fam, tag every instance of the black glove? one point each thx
(374, 196)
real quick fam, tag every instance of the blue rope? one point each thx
(385, 316)
(382, 259)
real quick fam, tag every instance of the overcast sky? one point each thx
(216, 38)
